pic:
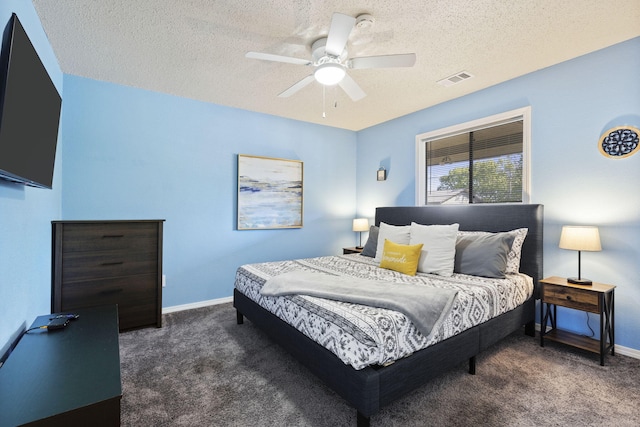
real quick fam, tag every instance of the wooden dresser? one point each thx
(109, 262)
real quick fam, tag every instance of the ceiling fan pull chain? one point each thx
(324, 115)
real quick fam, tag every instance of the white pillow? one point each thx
(513, 258)
(439, 247)
(399, 234)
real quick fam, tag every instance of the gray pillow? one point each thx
(372, 242)
(484, 255)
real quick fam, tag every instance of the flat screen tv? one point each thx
(29, 112)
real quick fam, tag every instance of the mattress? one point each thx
(362, 335)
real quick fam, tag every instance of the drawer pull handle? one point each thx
(111, 291)
(113, 263)
(568, 297)
(108, 236)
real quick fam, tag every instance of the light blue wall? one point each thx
(26, 213)
(132, 154)
(572, 104)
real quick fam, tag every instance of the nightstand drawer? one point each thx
(579, 299)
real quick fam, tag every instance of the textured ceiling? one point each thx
(195, 48)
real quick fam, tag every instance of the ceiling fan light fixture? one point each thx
(329, 74)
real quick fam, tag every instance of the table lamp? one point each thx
(360, 225)
(580, 238)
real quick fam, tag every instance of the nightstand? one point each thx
(352, 250)
(597, 298)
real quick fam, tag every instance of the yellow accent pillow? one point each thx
(401, 258)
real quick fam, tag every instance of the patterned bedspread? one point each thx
(361, 335)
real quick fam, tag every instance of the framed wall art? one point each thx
(619, 142)
(269, 193)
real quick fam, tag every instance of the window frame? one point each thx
(523, 114)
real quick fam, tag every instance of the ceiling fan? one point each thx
(331, 60)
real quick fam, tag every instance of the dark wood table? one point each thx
(352, 250)
(67, 377)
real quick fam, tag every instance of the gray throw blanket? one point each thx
(425, 306)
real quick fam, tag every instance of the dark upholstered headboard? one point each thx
(478, 217)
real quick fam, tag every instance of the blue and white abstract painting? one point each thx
(269, 193)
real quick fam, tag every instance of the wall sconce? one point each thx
(382, 174)
(446, 160)
(580, 238)
(360, 225)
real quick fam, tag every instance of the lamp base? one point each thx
(359, 247)
(577, 281)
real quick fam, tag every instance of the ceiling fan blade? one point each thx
(277, 58)
(383, 61)
(341, 26)
(352, 89)
(296, 87)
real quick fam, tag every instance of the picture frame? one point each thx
(270, 193)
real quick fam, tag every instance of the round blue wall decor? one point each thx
(619, 142)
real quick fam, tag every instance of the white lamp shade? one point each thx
(329, 74)
(580, 238)
(361, 224)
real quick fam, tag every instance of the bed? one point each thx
(369, 388)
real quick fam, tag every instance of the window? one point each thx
(483, 161)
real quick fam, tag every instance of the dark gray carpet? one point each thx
(202, 369)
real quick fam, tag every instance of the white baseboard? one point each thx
(627, 351)
(199, 304)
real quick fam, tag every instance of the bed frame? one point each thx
(373, 387)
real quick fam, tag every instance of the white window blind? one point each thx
(483, 163)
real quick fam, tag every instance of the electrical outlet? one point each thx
(164, 281)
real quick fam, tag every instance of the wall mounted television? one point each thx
(29, 112)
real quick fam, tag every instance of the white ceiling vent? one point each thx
(456, 78)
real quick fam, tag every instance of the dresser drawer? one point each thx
(93, 265)
(101, 237)
(579, 299)
(136, 297)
